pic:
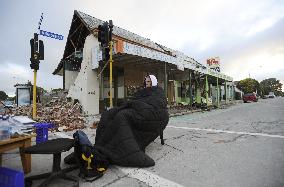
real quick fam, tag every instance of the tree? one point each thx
(39, 91)
(249, 85)
(12, 98)
(57, 90)
(271, 85)
(3, 95)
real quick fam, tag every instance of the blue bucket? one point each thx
(42, 131)
(11, 178)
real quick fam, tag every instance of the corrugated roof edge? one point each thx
(92, 23)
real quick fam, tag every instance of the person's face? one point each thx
(148, 82)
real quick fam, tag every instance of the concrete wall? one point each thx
(70, 77)
(86, 86)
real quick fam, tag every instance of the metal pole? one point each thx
(166, 82)
(34, 95)
(226, 92)
(218, 104)
(190, 89)
(110, 75)
(206, 89)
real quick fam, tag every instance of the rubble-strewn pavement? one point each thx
(66, 116)
(195, 154)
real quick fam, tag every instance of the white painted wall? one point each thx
(70, 77)
(86, 85)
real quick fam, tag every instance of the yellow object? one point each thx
(101, 169)
(89, 160)
(34, 96)
(110, 75)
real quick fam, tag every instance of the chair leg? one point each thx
(57, 172)
(56, 162)
(58, 175)
(36, 177)
(162, 138)
(46, 181)
(69, 177)
(66, 170)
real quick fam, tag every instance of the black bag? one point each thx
(92, 164)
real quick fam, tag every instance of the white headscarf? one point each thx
(153, 80)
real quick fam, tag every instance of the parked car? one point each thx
(271, 96)
(250, 97)
(8, 104)
(265, 97)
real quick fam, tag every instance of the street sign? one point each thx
(51, 35)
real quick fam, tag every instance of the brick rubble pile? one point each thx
(65, 115)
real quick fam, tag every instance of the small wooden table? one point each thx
(20, 142)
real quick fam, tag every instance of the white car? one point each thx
(8, 104)
(271, 96)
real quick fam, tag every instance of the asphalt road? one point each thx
(242, 145)
(244, 153)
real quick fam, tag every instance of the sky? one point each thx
(248, 36)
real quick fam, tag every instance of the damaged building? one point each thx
(184, 80)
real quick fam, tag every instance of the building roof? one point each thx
(82, 25)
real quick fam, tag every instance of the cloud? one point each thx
(262, 54)
(243, 33)
(241, 56)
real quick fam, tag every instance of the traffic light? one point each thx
(41, 50)
(103, 34)
(110, 30)
(35, 43)
(37, 52)
(105, 54)
(34, 65)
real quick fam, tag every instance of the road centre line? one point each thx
(229, 132)
(137, 173)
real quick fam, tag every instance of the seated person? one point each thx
(124, 132)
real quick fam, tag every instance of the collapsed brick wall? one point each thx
(65, 115)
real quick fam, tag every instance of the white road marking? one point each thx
(229, 132)
(147, 177)
(138, 173)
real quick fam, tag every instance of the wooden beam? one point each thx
(75, 30)
(72, 43)
(80, 34)
(116, 37)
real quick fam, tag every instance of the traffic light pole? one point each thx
(34, 95)
(105, 38)
(110, 75)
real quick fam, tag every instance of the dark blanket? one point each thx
(124, 132)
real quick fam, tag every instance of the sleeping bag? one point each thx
(124, 132)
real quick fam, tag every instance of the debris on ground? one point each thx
(94, 126)
(66, 116)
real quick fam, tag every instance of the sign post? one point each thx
(105, 38)
(37, 54)
(34, 95)
(110, 63)
(110, 75)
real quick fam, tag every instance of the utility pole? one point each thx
(110, 75)
(206, 89)
(37, 54)
(110, 63)
(105, 38)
